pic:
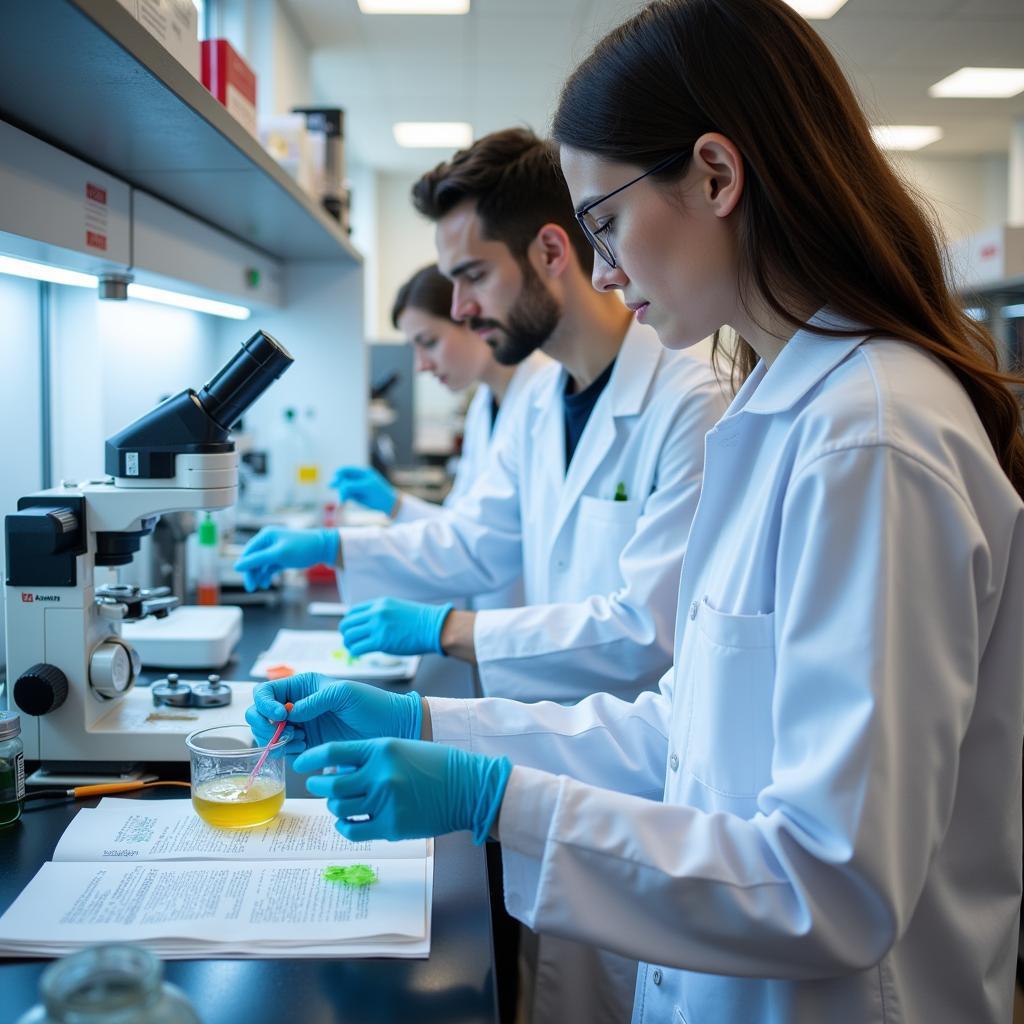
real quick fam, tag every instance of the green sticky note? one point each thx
(620, 492)
(350, 874)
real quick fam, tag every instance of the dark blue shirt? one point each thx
(578, 408)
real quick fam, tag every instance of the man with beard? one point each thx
(589, 494)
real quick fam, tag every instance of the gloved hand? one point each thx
(394, 626)
(275, 548)
(365, 485)
(326, 709)
(409, 788)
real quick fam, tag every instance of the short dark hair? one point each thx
(428, 289)
(514, 178)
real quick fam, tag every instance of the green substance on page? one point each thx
(350, 874)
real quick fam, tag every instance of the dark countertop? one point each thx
(455, 984)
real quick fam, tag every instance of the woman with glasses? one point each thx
(817, 819)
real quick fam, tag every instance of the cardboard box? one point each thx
(175, 23)
(231, 81)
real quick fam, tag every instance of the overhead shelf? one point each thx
(85, 76)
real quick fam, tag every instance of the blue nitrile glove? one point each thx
(275, 548)
(367, 486)
(394, 626)
(328, 709)
(409, 788)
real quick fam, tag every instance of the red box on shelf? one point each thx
(231, 81)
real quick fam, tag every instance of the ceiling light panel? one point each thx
(816, 9)
(906, 136)
(414, 6)
(980, 83)
(433, 134)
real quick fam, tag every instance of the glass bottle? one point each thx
(112, 984)
(12, 768)
(208, 563)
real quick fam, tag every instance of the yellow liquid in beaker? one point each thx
(223, 802)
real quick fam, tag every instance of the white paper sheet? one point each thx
(238, 905)
(119, 874)
(120, 829)
(321, 650)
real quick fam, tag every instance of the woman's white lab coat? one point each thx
(600, 575)
(479, 438)
(817, 818)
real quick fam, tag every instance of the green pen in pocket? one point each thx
(620, 492)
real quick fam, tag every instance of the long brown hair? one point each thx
(823, 216)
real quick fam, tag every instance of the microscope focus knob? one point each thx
(113, 668)
(41, 689)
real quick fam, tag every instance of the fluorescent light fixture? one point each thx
(193, 302)
(58, 275)
(1013, 312)
(414, 6)
(905, 136)
(816, 9)
(980, 83)
(433, 134)
(44, 272)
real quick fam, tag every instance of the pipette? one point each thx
(273, 740)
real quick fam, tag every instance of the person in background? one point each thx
(459, 358)
(589, 494)
(818, 816)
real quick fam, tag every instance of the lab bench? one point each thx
(455, 984)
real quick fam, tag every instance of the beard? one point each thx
(531, 321)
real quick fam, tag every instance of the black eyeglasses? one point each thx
(590, 226)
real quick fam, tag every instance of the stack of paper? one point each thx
(321, 650)
(153, 872)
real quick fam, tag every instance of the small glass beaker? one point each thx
(222, 760)
(112, 984)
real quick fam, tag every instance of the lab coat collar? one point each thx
(635, 367)
(805, 360)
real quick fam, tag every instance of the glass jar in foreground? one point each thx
(12, 768)
(222, 759)
(113, 984)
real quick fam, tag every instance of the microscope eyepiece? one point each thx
(259, 362)
(197, 423)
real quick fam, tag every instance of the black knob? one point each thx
(41, 689)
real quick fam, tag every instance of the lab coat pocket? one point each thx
(612, 513)
(602, 530)
(730, 742)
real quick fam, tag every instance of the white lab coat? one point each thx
(600, 575)
(817, 818)
(478, 439)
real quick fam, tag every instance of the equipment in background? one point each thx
(326, 126)
(70, 670)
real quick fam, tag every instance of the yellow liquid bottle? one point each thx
(224, 803)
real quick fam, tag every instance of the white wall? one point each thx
(968, 194)
(321, 329)
(112, 362)
(20, 404)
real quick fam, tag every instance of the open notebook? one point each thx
(153, 872)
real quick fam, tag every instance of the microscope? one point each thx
(69, 671)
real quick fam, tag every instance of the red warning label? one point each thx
(95, 193)
(95, 240)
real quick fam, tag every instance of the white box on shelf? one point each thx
(286, 139)
(176, 24)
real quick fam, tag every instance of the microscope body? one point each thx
(69, 672)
